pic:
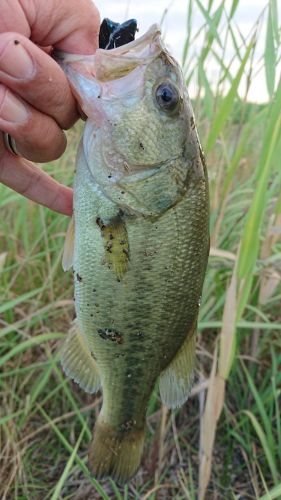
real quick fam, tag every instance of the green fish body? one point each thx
(140, 242)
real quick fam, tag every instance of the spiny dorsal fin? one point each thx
(116, 245)
(176, 380)
(68, 251)
(77, 361)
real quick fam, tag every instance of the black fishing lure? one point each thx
(114, 35)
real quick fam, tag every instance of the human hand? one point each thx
(36, 102)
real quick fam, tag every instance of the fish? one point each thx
(138, 242)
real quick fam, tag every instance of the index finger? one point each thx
(70, 25)
(24, 177)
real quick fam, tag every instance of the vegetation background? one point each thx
(225, 443)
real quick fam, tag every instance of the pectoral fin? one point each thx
(78, 363)
(68, 251)
(176, 380)
(116, 245)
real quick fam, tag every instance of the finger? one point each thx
(71, 25)
(37, 136)
(27, 179)
(37, 78)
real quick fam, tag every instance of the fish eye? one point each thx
(167, 96)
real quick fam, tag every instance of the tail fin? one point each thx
(116, 453)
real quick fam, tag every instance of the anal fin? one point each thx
(78, 363)
(176, 380)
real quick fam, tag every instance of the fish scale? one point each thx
(153, 313)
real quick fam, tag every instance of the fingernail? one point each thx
(15, 61)
(12, 109)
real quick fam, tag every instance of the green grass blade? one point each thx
(188, 32)
(250, 238)
(212, 22)
(270, 54)
(262, 437)
(77, 459)
(273, 493)
(63, 478)
(28, 344)
(275, 23)
(19, 300)
(233, 8)
(267, 424)
(227, 104)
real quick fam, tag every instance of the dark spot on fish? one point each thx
(79, 278)
(127, 426)
(118, 279)
(125, 251)
(123, 242)
(109, 334)
(109, 176)
(111, 237)
(122, 192)
(91, 315)
(94, 290)
(121, 212)
(109, 247)
(121, 355)
(100, 223)
(16, 42)
(141, 145)
(99, 96)
(88, 305)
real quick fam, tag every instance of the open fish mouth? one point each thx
(120, 61)
(106, 65)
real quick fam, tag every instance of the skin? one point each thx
(30, 110)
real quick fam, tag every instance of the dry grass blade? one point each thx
(161, 442)
(216, 390)
(207, 432)
(3, 257)
(227, 335)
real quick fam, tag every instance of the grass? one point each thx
(226, 441)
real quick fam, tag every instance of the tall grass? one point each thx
(226, 442)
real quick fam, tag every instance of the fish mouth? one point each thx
(118, 62)
(106, 65)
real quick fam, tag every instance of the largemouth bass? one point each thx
(138, 243)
